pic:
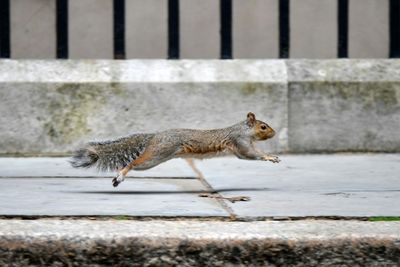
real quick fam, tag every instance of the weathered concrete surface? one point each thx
(96, 196)
(346, 105)
(299, 186)
(60, 167)
(309, 185)
(53, 107)
(190, 243)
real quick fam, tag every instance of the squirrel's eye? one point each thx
(263, 127)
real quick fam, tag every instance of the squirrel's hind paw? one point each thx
(115, 183)
(117, 180)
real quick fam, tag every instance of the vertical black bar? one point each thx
(119, 29)
(226, 28)
(394, 29)
(62, 28)
(343, 28)
(4, 28)
(284, 29)
(173, 29)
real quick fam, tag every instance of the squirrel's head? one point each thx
(260, 130)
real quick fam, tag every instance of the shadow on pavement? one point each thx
(172, 192)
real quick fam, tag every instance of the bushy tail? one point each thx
(84, 158)
(111, 155)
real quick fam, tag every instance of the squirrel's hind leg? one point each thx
(151, 157)
(119, 179)
(123, 172)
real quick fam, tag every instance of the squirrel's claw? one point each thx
(117, 180)
(274, 159)
(115, 183)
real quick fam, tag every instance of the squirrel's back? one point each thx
(111, 155)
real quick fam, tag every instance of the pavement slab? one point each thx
(309, 185)
(343, 185)
(53, 167)
(97, 197)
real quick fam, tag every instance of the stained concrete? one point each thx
(309, 185)
(97, 197)
(61, 112)
(191, 243)
(60, 167)
(299, 186)
(349, 105)
(314, 105)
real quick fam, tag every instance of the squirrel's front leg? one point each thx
(248, 151)
(272, 158)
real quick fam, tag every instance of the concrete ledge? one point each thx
(51, 107)
(344, 105)
(188, 243)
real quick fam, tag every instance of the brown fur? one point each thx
(153, 149)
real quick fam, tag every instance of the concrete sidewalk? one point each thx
(344, 185)
(157, 218)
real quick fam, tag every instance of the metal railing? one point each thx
(225, 29)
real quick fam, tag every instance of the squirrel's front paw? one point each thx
(273, 159)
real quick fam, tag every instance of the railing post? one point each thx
(173, 29)
(62, 28)
(284, 28)
(119, 29)
(5, 29)
(343, 28)
(394, 46)
(226, 28)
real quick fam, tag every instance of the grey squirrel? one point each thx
(143, 151)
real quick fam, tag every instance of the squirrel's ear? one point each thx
(251, 118)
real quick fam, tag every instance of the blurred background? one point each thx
(192, 29)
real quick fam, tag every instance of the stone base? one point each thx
(207, 243)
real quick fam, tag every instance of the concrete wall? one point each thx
(52, 107)
(255, 30)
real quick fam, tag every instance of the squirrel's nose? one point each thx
(272, 133)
